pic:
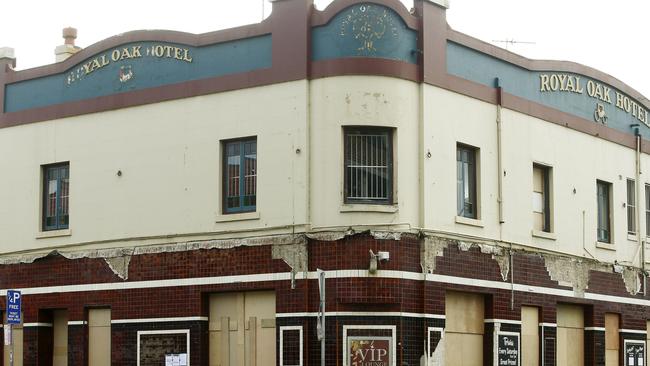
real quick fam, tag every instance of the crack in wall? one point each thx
(568, 271)
(430, 248)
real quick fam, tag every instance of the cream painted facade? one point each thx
(169, 154)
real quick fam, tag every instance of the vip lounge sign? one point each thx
(369, 351)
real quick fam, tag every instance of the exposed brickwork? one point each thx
(353, 252)
(368, 294)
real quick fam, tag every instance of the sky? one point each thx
(611, 36)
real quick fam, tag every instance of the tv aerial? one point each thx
(511, 42)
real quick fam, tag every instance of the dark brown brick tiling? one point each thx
(367, 295)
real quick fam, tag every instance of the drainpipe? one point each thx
(637, 208)
(499, 152)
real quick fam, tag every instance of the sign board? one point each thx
(14, 300)
(369, 351)
(634, 352)
(508, 351)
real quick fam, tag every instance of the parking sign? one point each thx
(14, 300)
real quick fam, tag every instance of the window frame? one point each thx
(647, 210)
(473, 177)
(607, 207)
(389, 133)
(547, 172)
(630, 206)
(46, 172)
(242, 174)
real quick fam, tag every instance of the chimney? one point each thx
(68, 48)
(7, 58)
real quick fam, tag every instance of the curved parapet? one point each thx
(349, 37)
(563, 86)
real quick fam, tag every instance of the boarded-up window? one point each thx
(529, 336)
(99, 337)
(464, 313)
(242, 329)
(570, 335)
(60, 338)
(612, 343)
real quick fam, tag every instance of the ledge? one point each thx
(607, 246)
(543, 234)
(369, 208)
(53, 233)
(238, 217)
(467, 221)
(632, 237)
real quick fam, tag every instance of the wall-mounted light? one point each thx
(376, 258)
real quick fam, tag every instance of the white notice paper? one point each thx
(168, 360)
(183, 359)
(176, 360)
(630, 361)
(7, 335)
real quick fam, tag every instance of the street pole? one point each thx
(11, 345)
(320, 322)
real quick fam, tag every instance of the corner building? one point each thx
(168, 198)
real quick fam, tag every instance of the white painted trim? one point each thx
(286, 276)
(548, 325)
(361, 313)
(433, 329)
(170, 331)
(597, 329)
(392, 328)
(291, 327)
(503, 321)
(238, 217)
(26, 325)
(53, 233)
(160, 320)
(179, 282)
(632, 331)
(76, 322)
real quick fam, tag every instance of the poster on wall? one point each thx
(369, 351)
(508, 349)
(634, 352)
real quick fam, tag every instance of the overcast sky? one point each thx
(611, 36)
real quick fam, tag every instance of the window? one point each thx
(541, 198)
(368, 165)
(240, 175)
(56, 195)
(631, 207)
(466, 181)
(604, 227)
(647, 209)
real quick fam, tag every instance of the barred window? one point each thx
(240, 175)
(56, 196)
(368, 165)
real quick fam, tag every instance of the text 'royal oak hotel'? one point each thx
(167, 198)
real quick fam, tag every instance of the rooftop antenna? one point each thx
(511, 42)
